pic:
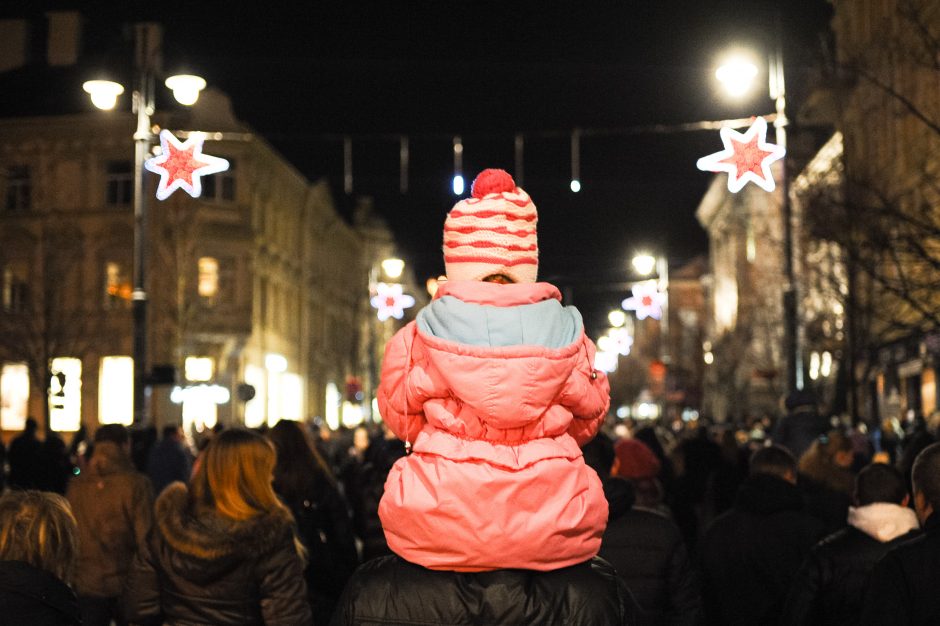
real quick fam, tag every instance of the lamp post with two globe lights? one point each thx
(104, 95)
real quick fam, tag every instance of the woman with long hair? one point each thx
(38, 548)
(304, 482)
(223, 550)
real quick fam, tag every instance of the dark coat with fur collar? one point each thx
(207, 569)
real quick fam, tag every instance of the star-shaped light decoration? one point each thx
(747, 157)
(180, 165)
(646, 300)
(390, 301)
(617, 340)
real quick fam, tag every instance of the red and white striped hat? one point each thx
(492, 232)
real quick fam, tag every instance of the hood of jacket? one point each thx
(766, 494)
(515, 345)
(883, 521)
(211, 541)
(109, 458)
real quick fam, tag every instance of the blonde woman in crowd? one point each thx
(223, 549)
(37, 557)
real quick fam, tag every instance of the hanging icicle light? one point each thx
(520, 166)
(403, 158)
(575, 160)
(347, 165)
(458, 166)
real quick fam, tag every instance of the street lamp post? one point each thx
(104, 96)
(736, 75)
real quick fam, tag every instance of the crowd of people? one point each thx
(497, 490)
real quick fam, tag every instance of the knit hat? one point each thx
(492, 232)
(636, 460)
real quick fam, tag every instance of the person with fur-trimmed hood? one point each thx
(494, 388)
(223, 550)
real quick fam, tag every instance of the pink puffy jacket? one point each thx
(495, 388)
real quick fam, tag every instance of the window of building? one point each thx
(220, 187)
(19, 188)
(119, 183)
(14, 396)
(116, 390)
(117, 285)
(208, 277)
(15, 287)
(65, 394)
(199, 368)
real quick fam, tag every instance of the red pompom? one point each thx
(492, 181)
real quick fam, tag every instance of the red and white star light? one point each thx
(747, 157)
(180, 165)
(390, 301)
(646, 300)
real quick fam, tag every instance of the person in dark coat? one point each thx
(390, 590)
(56, 465)
(305, 483)
(170, 460)
(751, 553)
(645, 547)
(113, 506)
(37, 557)
(903, 586)
(825, 479)
(802, 424)
(25, 458)
(829, 588)
(223, 550)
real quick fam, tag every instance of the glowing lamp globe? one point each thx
(186, 88)
(393, 267)
(103, 93)
(737, 75)
(644, 264)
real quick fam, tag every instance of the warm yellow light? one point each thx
(432, 286)
(199, 368)
(617, 318)
(393, 267)
(644, 263)
(736, 74)
(116, 390)
(103, 93)
(186, 88)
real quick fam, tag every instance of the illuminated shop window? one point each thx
(116, 390)
(208, 276)
(199, 368)
(291, 398)
(333, 400)
(65, 394)
(254, 408)
(14, 395)
(200, 410)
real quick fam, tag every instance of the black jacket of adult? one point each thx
(206, 569)
(29, 595)
(799, 429)
(390, 590)
(648, 552)
(903, 587)
(830, 586)
(26, 462)
(751, 553)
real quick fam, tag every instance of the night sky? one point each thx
(304, 73)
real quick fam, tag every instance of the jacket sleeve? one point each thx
(142, 511)
(281, 584)
(141, 599)
(801, 599)
(587, 395)
(887, 600)
(685, 598)
(405, 385)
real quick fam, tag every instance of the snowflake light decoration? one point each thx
(605, 361)
(747, 157)
(390, 301)
(617, 340)
(180, 165)
(646, 300)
